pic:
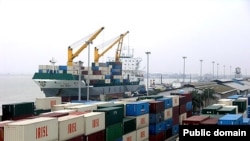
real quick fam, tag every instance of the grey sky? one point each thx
(34, 31)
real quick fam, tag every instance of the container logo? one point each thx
(129, 138)
(143, 120)
(95, 123)
(143, 134)
(72, 127)
(41, 132)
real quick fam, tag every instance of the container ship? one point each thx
(118, 77)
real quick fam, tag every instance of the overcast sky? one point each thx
(34, 31)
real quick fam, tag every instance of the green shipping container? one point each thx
(212, 109)
(129, 124)
(114, 132)
(111, 105)
(113, 115)
(242, 104)
(226, 110)
(15, 110)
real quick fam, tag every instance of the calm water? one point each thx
(18, 88)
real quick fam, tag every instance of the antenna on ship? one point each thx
(53, 61)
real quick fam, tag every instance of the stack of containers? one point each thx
(174, 130)
(2, 124)
(113, 121)
(242, 105)
(156, 120)
(140, 111)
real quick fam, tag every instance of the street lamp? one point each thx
(80, 77)
(217, 70)
(213, 69)
(201, 71)
(224, 72)
(230, 72)
(88, 42)
(147, 68)
(184, 57)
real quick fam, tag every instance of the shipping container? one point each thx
(156, 128)
(17, 111)
(241, 103)
(113, 115)
(194, 120)
(182, 117)
(93, 122)
(47, 102)
(131, 136)
(137, 108)
(63, 106)
(141, 121)
(175, 129)
(210, 121)
(111, 105)
(129, 124)
(175, 99)
(246, 121)
(83, 108)
(156, 107)
(189, 106)
(96, 136)
(142, 134)
(156, 118)
(114, 131)
(231, 119)
(212, 109)
(158, 137)
(40, 129)
(167, 102)
(168, 123)
(168, 113)
(226, 110)
(228, 102)
(2, 124)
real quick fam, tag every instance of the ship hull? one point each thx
(95, 93)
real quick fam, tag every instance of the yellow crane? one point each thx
(97, 55)
(72, 55)
(119, 48)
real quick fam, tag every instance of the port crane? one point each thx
(72, 55)
(119, 48)
(118, 40)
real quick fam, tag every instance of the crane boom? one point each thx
(119, 48)
(71, 56)
(97, 55)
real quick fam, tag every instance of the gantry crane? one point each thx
(71, 56)
(97, 55)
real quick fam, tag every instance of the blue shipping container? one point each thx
(175, 129)
(156, 128)
(168, 124)
(189, 106)
(231, 119)
(156, 118)
(137, 108)
(167, 102)
(246, 121)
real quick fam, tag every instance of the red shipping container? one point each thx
(210, 121)
(194, 120)
(78, 138)
(189, 113)
(188, 96)
(175, 111)
(98, 136)
(176, 120)
(182, 109)
(158, 137)
(156, 106)
(168, 133)
(182, 100)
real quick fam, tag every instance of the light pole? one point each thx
(147, 68)
(184, 57)
(213, 69)
(224, 71)
(201, 71)
(88, 42)
(230, 72)
(80, 79)
(218, 70)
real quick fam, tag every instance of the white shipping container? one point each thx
(227, 102)
(65, 111)
(93, 122)
(96, 77)
(234, 106)
(107, 81)
(168, 113)
(141, 121)
(142, 134)
(129, 136)
(37, 129)
(175, 99)
(83, 108)
(63, 106)
(182, 117)
(244, 98)
(47, 102)
(70, 126)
